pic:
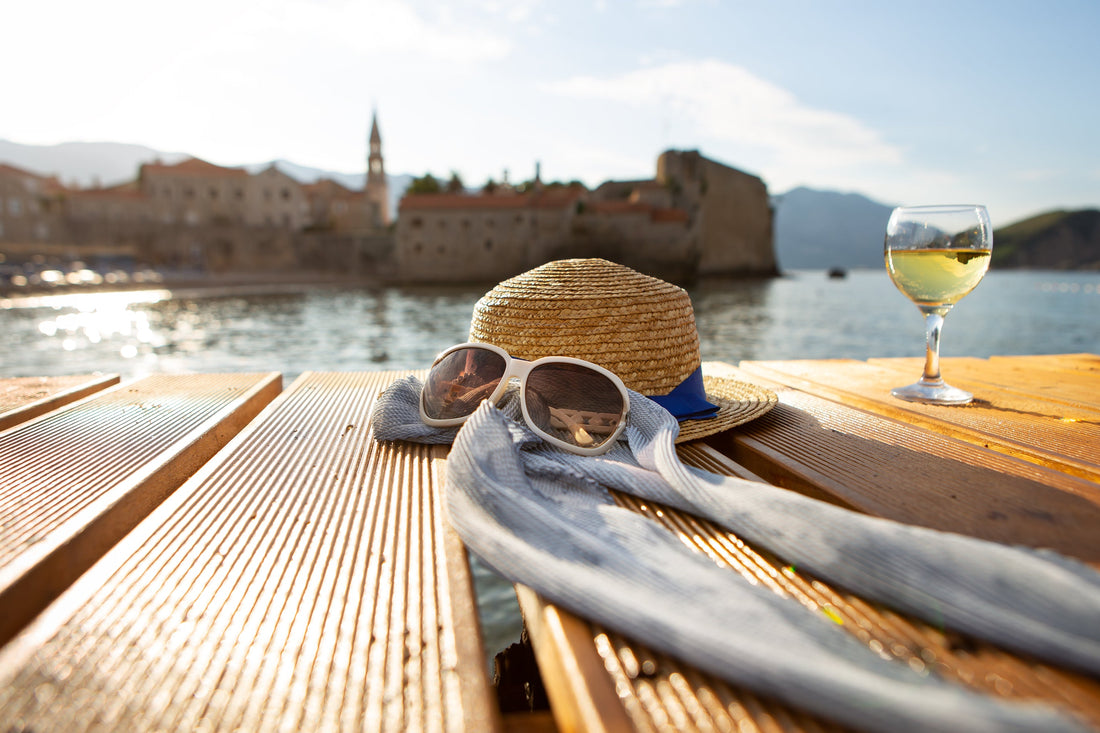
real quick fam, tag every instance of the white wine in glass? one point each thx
(936, 255)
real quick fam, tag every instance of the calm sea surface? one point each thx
(292, 330)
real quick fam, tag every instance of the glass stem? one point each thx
(933, 323)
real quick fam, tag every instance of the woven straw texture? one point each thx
(639, 327)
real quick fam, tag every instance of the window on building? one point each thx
(213, 193)
(285, 193)
(239, 193)
(189, 192)
(416, 223)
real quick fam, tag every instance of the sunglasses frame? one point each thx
(516, 368)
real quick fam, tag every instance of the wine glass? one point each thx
(935, 255)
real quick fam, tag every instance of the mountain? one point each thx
(84, 164)
(1056, 240)
(823, 229)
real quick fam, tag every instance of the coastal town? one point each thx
(192, 220)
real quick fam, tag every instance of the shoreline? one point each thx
(207, 286)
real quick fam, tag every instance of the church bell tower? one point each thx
(377, 191)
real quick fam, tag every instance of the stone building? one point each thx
(335, 207)
(731, 208)
(29, 208)
(696, 217)
(196, 193)
(195, 217)
(472, 238)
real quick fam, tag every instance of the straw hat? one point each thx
(639, 327)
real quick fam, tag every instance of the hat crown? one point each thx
(638, 326)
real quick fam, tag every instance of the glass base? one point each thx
(933, 393)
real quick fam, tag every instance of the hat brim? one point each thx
(738, 403)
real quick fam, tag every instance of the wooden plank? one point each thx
(892, 469)
(582, 695)
(598, 677)
(1066, 362)
(1077, 389)
(24, 398)
(304, 579)
(1028, 427)
(74, 481)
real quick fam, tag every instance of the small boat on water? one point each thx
(837, 273)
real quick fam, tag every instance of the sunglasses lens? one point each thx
(460, 381)
(574, 403)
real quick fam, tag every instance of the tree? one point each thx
(455, 184)
(425, 184)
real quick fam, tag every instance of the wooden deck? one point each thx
(291, 573)
(74, 481)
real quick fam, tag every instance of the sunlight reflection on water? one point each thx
(802, 315)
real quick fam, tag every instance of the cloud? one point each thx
(236, 81)
(728, 105)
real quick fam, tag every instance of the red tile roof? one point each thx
(618, 207)
(50, 183)
(329, 187)
(655, 213)
(669, 215)
(459, 201)
(128, 190)
(193, 167)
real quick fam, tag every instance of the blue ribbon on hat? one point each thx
(688, 400)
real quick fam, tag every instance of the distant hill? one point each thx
(822, 229)
(1056, 240)
(84, 164)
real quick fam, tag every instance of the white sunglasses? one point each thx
(572, 403)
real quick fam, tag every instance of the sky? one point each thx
(970, 101)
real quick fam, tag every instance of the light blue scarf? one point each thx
(543, 517)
